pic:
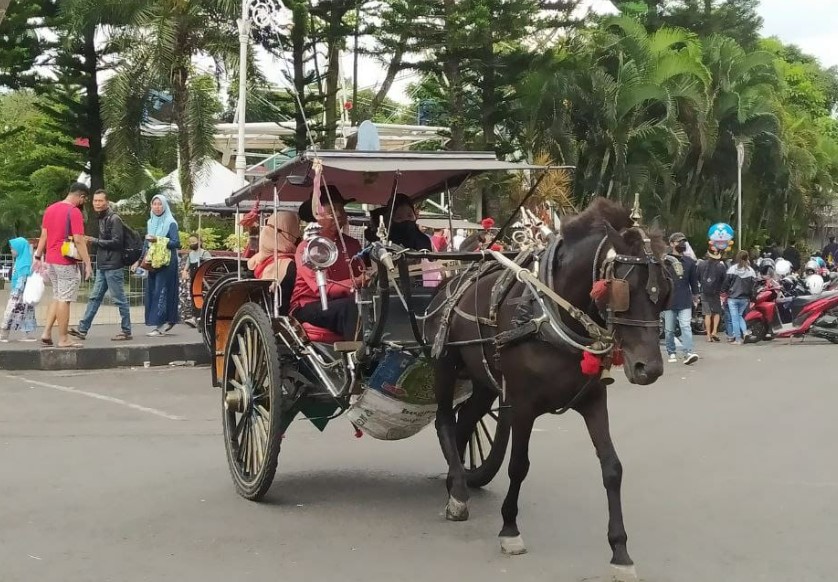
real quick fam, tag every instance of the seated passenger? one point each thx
(404, 231)
(281, 233)
(341, 318)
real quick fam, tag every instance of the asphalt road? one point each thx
(730, 475)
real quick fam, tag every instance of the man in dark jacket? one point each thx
(830, 252)
(792, 255)
(110, 275)
(684, 292)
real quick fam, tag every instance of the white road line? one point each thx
(98, 396)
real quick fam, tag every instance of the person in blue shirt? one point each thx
(684, 297)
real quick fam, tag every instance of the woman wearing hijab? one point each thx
(278, 242)
(161, 293)
(19, 315)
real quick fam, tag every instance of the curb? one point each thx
(54, 359)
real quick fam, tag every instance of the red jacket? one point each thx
(339, 277)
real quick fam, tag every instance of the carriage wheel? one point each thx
(486, 447)
(251, 395)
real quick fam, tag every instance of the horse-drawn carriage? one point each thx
(495, 344)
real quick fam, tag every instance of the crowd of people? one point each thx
(63, 256)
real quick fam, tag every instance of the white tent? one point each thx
(214, 183)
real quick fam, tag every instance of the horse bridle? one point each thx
(619, 285)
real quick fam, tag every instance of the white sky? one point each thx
(810, 24)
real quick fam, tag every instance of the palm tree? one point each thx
(160, 47)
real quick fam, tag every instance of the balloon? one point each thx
(721, 236)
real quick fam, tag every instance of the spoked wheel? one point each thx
(252, 390)
(486, 446)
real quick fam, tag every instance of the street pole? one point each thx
(244, 41)
(740, 161)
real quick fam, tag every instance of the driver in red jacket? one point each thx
(348, 272)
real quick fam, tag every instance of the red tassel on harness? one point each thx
(487, 223)
(599, 290)
(590, 364)
(496, 247)
(617, 357)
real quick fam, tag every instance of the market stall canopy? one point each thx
(213, 184)
(369, 177)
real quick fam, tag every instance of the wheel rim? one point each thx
(247, 401)
(482, 439)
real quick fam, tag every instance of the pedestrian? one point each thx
(161, 292)
(196, 255)
(711, 277)
(19, 315)
(739, 288)
(830, 252)
(684, 297)
(439, 241)
(459, 238)
(110, 276)
(792, 255)
(62, 248)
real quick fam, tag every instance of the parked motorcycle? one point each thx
(778, 312)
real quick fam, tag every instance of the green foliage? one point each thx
(210, 238)
(236, 242)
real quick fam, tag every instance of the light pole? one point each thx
(262, 13)
(740, 161)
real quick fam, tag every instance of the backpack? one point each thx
(132, 245)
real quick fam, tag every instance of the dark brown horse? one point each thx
(540, 374)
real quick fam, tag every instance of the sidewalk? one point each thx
(184, 344)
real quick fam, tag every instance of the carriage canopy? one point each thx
(369, 177)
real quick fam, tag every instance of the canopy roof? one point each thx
(369, 177)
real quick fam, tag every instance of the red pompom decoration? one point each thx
(599, 290)
(487, 223)
(496, 247)
(591, 364)
(617, 357)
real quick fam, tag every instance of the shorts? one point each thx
(711, 305)
(65, 281)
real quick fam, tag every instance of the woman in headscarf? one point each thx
(19, 315)
(161, 292)
(280, 236)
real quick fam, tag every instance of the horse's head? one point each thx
(639, 288)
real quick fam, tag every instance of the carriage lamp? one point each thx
(320, 254)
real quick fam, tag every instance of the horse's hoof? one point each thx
(623, 573)
(456, 510)
(512, 546)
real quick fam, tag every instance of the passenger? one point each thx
(404, 231)
(281, 233)
(341, 318)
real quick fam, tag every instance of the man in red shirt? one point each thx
(63, 221)
(342, 315)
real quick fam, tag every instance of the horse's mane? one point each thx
(601, 211)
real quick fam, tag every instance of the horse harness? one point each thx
(538, 313)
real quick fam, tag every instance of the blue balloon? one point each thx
(720, 232)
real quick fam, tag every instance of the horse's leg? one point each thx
(523, 419)
(445, 379)
(595, 413)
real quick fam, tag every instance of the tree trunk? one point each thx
(488, 108)
(451, 67)
(96, 151)
(333, 44)
(180, 100)
(392, 70)
(298, 46)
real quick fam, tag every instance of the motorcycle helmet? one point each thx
(782, 268)
(815, 284)
(811, 267)
(766, 266)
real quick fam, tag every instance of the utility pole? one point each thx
(740, 161)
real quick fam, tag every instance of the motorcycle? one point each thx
(778, 312)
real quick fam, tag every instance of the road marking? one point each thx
(97, 396)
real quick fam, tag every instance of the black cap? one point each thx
(306, 213)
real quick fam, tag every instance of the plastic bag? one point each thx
(34, 289)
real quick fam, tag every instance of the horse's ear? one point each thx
(614, 238)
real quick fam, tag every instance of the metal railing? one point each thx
(108, 313)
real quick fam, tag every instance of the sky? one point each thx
(810, 24)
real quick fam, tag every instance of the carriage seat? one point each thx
(321, 334)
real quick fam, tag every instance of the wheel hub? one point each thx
(239, 399)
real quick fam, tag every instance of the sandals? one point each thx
(74, 331)
(47, 343)
(122, 337)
